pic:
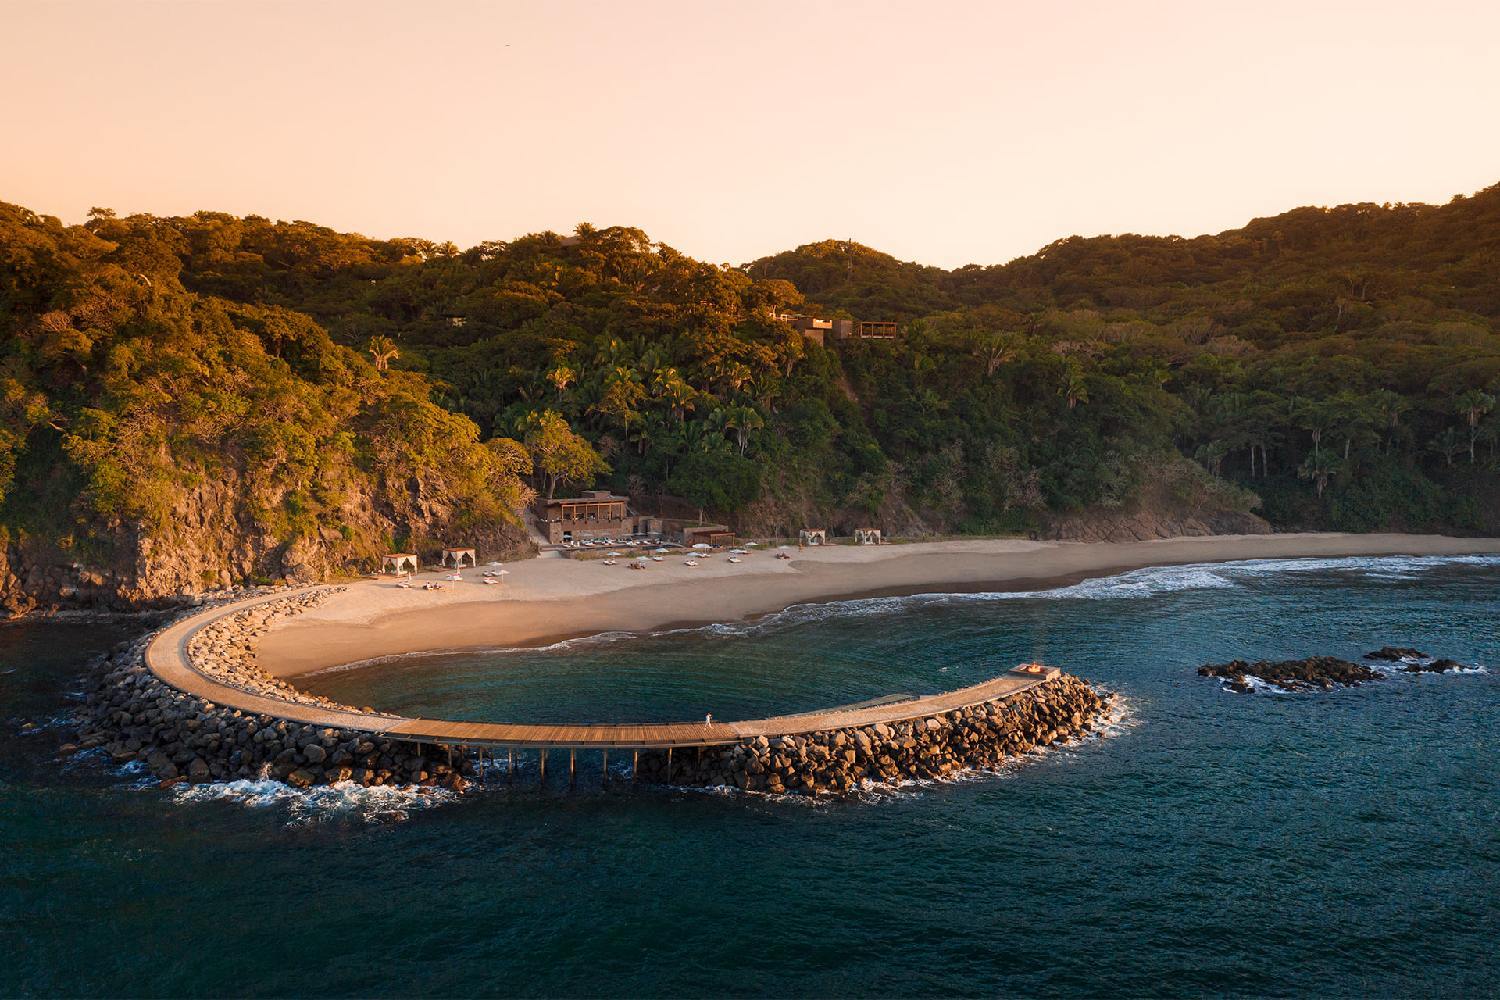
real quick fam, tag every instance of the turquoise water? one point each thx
(1341, 843)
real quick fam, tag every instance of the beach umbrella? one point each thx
(659, 548)
(612, 554)
(702, 545)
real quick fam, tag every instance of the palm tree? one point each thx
(382, 351)
(1319, 468)
(1211, 456)
(1074, 389)
(1314, 416)
(1471, 406)
(670, 387)
(1447, 444)
(561, 377)
(742, 420)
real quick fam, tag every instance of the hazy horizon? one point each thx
(962, 134)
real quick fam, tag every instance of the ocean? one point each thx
(1334, 843)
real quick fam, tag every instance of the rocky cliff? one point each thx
(218, 537)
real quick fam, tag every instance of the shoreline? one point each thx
(549, 600)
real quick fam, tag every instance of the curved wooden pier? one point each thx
(167, 657)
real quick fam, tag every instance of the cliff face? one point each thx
(216, 538)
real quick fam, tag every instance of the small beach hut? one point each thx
(812, 536)
(398, 563)
(867, 536)
(457, 557)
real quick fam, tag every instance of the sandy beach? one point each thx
(547, 599)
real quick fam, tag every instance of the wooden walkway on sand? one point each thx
(168, 659)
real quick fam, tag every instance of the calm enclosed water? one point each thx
(1343, 843)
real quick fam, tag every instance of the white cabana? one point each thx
(867, 536)
(812, 536)
(398, 562)
(457, 557)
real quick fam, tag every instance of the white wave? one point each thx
(1137, 584)
(1260, 686)
(320, 803)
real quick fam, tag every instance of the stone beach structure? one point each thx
(841, 761)
(133, 714)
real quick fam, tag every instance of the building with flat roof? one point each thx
(594, 514)
(824, 330)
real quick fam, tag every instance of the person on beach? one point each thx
(708, 719)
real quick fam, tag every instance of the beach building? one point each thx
(812, 536)
(594, 514)
(691, 534)
(867, 536)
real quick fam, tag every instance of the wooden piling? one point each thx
(572, 767)
(604, 767)
(669, 767)
(544, 768)
(510, 764)
(635, 765)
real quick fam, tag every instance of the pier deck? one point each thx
(167, 657)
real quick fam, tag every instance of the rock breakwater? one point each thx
(133, 715)
(842, 761)
(224, 650)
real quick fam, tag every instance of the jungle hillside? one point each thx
(237, 398)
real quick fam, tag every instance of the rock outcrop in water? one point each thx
(1430, 666)
(1312, 673)
(1393, 654)
(841, 761)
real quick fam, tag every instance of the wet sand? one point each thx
(547, 599)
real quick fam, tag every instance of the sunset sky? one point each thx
(947, 133)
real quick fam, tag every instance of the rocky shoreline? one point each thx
(842, 761)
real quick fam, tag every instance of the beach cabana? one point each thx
(398, 563)
(867, 536)
(458, 556)
(812, 536)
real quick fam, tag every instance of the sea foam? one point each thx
(320, 803)
(1136, 584)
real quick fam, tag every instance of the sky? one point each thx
(942, 132)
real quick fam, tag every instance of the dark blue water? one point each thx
(1341, 843)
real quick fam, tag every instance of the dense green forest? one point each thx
(155, 440)
(1328, 368)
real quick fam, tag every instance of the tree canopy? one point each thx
(1336, 367)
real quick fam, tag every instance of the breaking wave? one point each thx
(321, 803)
(1136, 584)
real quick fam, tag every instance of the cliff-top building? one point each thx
(824, 330)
